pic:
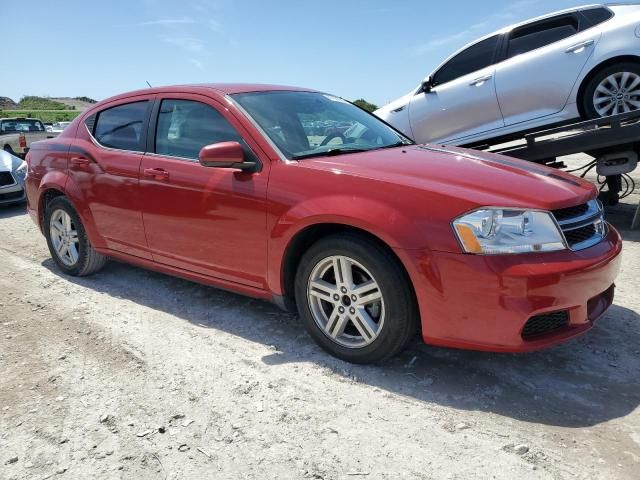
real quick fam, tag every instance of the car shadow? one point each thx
(14, 210)
(585, 382)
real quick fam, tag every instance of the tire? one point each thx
(88, 261)
(394, 315)
(593, 110)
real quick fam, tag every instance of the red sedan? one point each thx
(371, 237)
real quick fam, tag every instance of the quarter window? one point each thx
(596, 15)
(185, 126)
(531, 37)
(122, 127)
(477, 56)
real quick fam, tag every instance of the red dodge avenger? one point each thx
(302, 198)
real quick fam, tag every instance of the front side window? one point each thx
(306, 124)
(476, 57)
(122, 127)
(185, 126)
(538, 35)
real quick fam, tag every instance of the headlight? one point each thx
(22, 169)
(494, 231)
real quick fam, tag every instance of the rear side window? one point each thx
(185, 126)
(541, 34)
(122, 127)
(474, 58)
(596, 15)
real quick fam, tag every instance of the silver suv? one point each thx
(578, 63)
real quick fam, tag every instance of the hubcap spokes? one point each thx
(64, 237)
(346, 301)
(617, 93)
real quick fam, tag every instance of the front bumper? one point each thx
(483, 302)
(12, 194)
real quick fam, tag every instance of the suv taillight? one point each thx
(22, 141)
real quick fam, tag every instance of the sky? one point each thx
(378, 50)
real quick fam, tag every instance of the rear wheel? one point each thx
(354, 299)
(612, 91)
(67, 240)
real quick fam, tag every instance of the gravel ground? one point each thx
(136, 375)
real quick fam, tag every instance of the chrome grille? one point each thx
(582, 225)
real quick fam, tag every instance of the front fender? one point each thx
(390, 225)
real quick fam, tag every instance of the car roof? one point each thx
(219, 88)
(508, 28)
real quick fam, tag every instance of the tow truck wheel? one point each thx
(612, 91)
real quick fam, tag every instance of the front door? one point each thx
(462, 101)
(203, 219)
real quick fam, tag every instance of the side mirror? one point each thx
(427, 84)
(225, 155)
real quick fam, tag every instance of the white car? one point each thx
(578, 63)
(13, 171)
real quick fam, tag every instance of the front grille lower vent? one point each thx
(6, 179)
(544, 324)
(582, 225)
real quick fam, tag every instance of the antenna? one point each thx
(148, 84)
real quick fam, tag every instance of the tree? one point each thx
(362, 103)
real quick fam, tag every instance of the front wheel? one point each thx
(612, 91)
(355, 299)
(68, 241)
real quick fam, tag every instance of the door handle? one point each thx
(157, 173)
(79, 161)
(579, 47)
(480, 81)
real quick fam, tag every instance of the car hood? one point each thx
(8, 162)
(480, 178)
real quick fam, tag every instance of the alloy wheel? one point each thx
(346, 301)
(64, 237)
(617, 93)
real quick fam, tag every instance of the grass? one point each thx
(47, 116)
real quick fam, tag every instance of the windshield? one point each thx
(309, 124)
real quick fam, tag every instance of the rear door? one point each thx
(203, 219)
(104, 163)
(542, 62)
(463, 100)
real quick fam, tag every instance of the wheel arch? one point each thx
(309, 235)
(46, 196)
(594, 71)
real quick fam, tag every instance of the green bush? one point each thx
(40, 103)
(47, 116)
(362, 103)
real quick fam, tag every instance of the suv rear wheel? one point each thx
(354, 299)
(68, 241)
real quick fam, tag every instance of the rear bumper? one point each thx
(484, 302)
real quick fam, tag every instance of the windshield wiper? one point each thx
(330, 153)
(394, 145)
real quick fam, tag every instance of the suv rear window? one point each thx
(541, 34)
(21, 125)
(121, 127)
